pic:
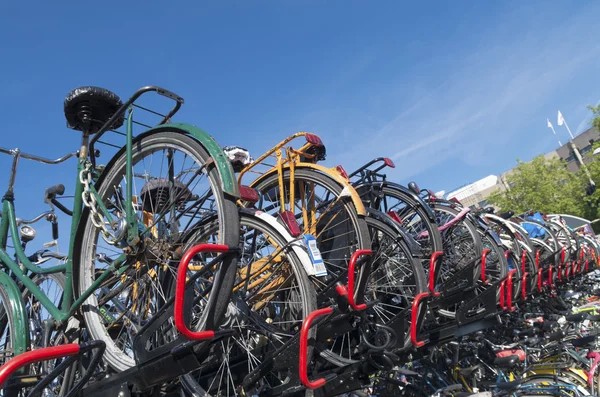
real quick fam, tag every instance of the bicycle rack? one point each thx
(351, 270)
(433, 270)
(483, 263)
(414, 323)
(69, 352)
(303, 365)
(178, 356)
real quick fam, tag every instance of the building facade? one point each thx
(475, 194)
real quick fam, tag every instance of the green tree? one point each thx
(596, 120)
(542, 185)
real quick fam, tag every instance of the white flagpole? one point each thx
(561, 120)
(552, 128)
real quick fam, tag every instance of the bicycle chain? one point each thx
(89, 200)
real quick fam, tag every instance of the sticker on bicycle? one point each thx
(315, 256)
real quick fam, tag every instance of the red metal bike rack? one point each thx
(34, 356)
(351, 268)
(540, 274)
(537, 259)
(435, 257)
(559, 273)
(484, 255)
(550, 279)
(523, 261)
(414, 316)
(562, 255)
(180, 292)
(509, 293)
(306, 324)
(502, 293)
(524, 286)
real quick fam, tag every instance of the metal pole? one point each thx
(577, 154)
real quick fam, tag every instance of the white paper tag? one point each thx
(315, 257)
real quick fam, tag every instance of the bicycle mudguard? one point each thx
(295, 244)
(228, 180)
(215, 150)
(21, 339)
(331, 172)
(406, 191)
(414, 247)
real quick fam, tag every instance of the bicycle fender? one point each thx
(227, 176)
(296, 244)
(222, 163)
(414, 247)
(347, 191)
(20, 315)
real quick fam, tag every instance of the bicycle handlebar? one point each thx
(39, 159)
(34, 220)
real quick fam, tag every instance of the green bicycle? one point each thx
(131, 223)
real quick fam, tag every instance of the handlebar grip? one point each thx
(53, 191)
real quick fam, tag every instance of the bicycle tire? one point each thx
(305, 289)
(85, 257)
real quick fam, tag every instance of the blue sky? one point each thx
(452, 91)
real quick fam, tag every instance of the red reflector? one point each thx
(313, 139)
(248, 194)
(342, 171)
(389, 163)
(394, 215)
(291, 223)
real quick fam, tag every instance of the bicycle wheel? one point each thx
(396, 278)
(52, 286)
(272, 295)
(414, 217)
(7, 330)
(462, 248)
(322, 211)
(171, 193)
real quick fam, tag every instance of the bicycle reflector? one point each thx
(313, 139)
(389, 162)
(290, 222)
(248, 194)
(342, 171)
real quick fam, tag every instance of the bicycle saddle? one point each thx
(469, 370)
(506, 362)
(576, 318)
(586, 341)
(558, 335)
(89, 108)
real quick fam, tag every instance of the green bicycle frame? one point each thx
(9, 223)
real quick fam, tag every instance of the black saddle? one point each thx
(469, 370)
(89, 108)
(576, 318)
(506, 362)
(586, 341)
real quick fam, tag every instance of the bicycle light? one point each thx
(27, 233)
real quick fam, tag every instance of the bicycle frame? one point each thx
(9, 223)
(86, 157)
(291, 160)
